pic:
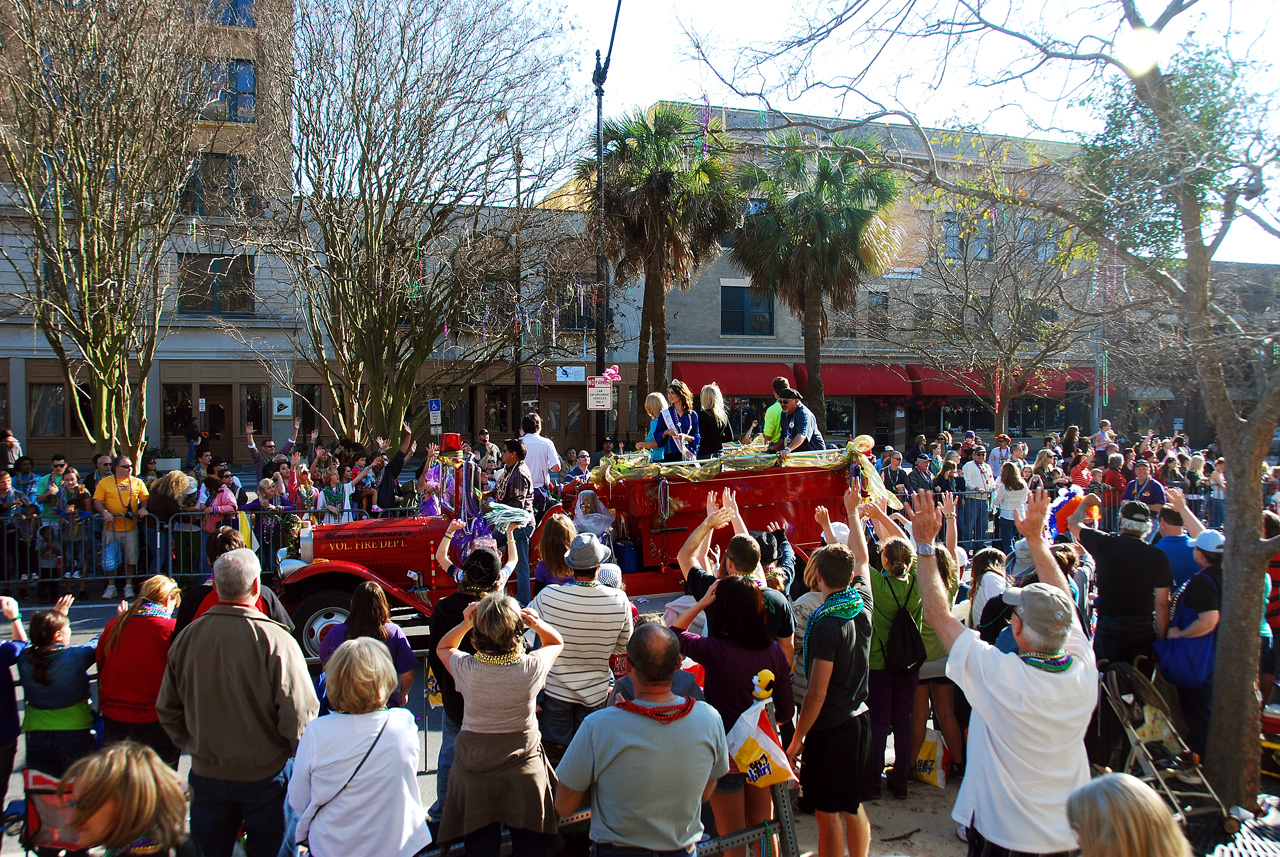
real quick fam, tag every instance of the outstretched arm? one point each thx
(1178, 501)
(1031, 525)
(693, 546)
(925, 525)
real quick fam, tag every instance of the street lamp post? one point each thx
(598, 77)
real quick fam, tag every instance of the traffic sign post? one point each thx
(599, 393)
(433, 408)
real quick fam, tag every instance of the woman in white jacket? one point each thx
(1010, 500)
(360, 756)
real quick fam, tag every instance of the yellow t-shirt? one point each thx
(120, 496)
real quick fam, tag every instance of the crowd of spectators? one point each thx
(564, 696)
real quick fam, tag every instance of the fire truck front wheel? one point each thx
(317, 613)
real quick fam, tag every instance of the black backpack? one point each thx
(903, 647)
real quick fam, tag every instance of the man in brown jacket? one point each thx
(237, 695)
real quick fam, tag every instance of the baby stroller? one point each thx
(45, 815)
(1157, 754)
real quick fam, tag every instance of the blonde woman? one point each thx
(654, 405)
(713, 421)
(129, 803)
(500, 775)
(362, 755)
(168, 495)
(132, 654)
(1117, 815)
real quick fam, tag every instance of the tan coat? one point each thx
(236, 694)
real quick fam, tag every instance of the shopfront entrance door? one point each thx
(217, 418)
(564, 418)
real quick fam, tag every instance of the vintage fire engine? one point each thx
(655, 507)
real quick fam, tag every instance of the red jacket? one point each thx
(1116, 483)
(129, 676)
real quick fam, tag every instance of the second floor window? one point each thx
(745, 314)
(233, 89)
(215, 284)
(219, 184)
(878, 312)
(232, 13)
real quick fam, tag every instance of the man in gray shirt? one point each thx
(627, 754)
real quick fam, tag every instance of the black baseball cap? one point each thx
(1135, 510)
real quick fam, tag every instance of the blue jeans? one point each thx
(159, 549)
(191, 454)
(220, 807)
(1217, 512)
(976, 512)
(559, 720)
(523, 593)
(448, 734)
(1123, 638)
(1006, 534)
(52, 752)
(486, 842)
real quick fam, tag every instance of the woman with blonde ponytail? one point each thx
(132, 653)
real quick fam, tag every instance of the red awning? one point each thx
(848, 379)
(931, 382)
(735, 379)
(1053, 382)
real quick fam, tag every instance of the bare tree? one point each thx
(423, 128)
(1183, 158)
(102, 111)
(1008, 297)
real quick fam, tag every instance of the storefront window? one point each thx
(175, 401)
(495, 412)
(840, 416)
(744, 410)
(47, 405)
(306, 404)
(253, 399)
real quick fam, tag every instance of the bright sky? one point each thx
(652, 61)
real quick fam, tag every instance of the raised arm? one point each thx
(1031, 525)
(885, 526)
(857, 536)
(1075, 521)
(729, 500)
(1178, 500)
(925, 525)
(953, 531)
(692, 548)
(442, 551)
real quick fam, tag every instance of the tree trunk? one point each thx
(812, 320)
(1232, 755)
(1000, 418)
(658, 324)
(643, 387)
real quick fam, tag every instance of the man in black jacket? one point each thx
(387, 472)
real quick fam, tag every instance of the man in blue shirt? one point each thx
(800, 432)
(1145, 489)
(1175, 541)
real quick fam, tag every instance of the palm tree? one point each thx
(820, 232)
(668, 201)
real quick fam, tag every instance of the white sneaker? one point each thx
(128, 590)
(75, 575)
(109, 594)
(962, 833)
(25, 577)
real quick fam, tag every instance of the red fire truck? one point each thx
(654, 517)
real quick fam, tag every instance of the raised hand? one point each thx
(64, 604)
(822, 517)
(1177, 499)
(248, 429)
(948, 503)
(721, 518)
(295, 458)
(453, 527)
(926, 520)
(1031, 523)
(712, 505)
(297, 424)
